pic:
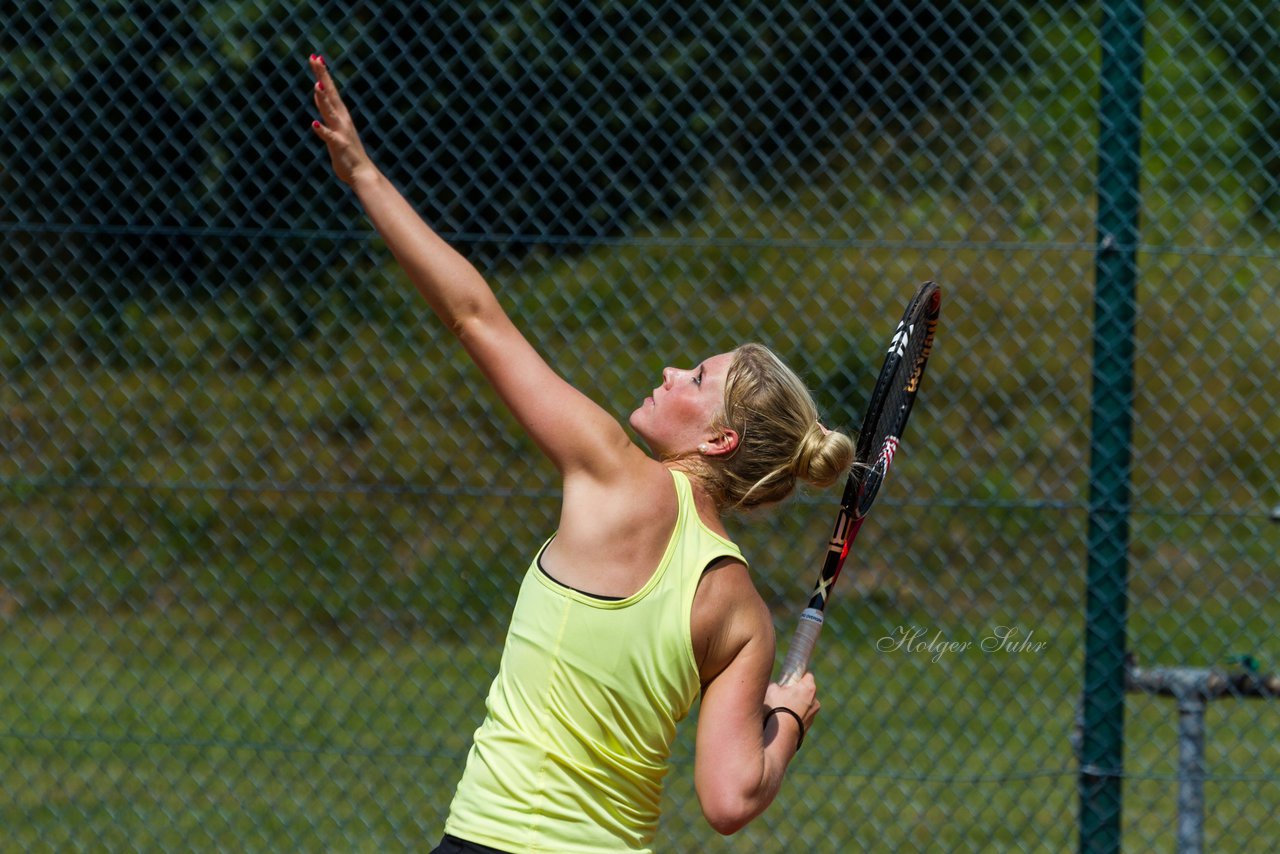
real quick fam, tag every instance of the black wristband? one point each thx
(784, 710)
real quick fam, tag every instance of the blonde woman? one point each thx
(639, 602)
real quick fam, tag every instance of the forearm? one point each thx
(452, 286)
(780, 740)
(746, 778)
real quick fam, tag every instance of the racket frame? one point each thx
(866, 477)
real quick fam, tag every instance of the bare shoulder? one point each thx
(613, 529)
(635, 488)
(729, 616)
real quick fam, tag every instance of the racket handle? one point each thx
(802, 643)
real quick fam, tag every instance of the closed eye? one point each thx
(698, 379)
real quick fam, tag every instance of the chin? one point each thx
(635, 420)
(636, 423)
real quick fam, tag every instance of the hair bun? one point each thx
(823, 456)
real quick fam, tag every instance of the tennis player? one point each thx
(640, 601)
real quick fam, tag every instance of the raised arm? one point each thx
(742, 751)
(574, 432)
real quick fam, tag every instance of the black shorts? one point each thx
(454, 845)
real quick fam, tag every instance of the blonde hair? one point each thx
(780, 439)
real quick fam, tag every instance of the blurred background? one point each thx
(262, 523)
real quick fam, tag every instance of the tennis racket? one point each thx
(891, 400)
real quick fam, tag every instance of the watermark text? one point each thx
(918, 640)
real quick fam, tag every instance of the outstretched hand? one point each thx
(336, 129)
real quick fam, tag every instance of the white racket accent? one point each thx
(901, 336)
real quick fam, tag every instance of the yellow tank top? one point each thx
(572, 753)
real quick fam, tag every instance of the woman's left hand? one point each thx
(337, 130)
(800, 697)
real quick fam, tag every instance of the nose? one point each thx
(668, 377)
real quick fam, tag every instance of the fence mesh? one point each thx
(263, 523)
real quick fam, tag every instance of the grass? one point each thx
(212, 732)
(221, 729)
(207, 732)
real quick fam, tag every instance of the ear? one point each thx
(722, 444)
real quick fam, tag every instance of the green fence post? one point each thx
(1119, 144)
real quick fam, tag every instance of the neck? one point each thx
(703, 494)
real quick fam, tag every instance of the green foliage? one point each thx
(262, 522)
(315, 490)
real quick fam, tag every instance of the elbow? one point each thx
(466, 319)
(727, 825)
(729, 815)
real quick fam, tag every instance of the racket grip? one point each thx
(802, 643)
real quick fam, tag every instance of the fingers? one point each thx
(326, 136)
(325, 92)
(326, 101)
(812, 712)
(808, 694)
(320, 70)
(800, 695)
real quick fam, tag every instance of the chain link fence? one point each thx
(262, 523)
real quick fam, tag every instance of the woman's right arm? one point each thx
(573, 431)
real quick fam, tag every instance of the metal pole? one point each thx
(1193, 688)
(1119, 145)
(1190, 838)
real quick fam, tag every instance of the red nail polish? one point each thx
(315, 124)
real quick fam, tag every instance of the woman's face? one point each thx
(677, 418)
